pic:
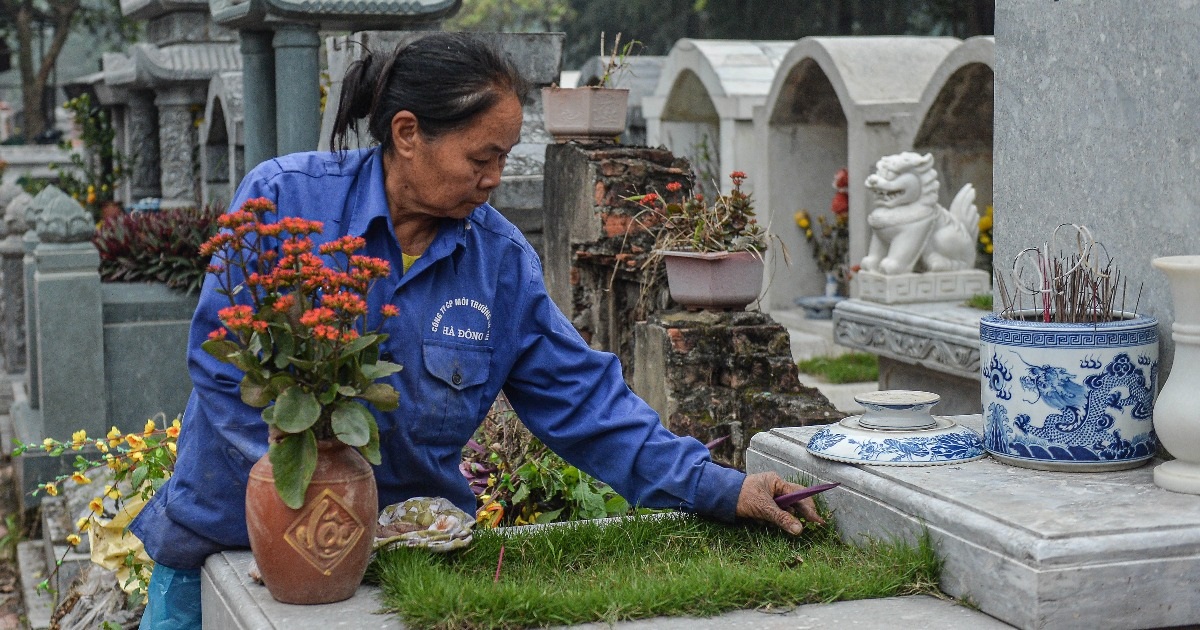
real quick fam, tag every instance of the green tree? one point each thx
(23, 19)
(511, 16)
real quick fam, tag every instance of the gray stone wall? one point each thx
(1096, 123)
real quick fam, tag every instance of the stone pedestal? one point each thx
(1035, 549)
(930, 286)
(931, 346)
(711, 375)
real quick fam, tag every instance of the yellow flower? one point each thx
(80, 478)
(52, 489)
(985, 239)
(136, 456)
(96, 505)
(135, 441)
(173, 430)
(102, 446)
(111, 492)
(171, 445)
(78, 438)
(48, 444)
(73, 539)
(988, 248)
(150, 427)
(802, 220)
(985, 223)
(114, 437)
(83, 523)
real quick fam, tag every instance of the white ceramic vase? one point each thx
(1176, 414)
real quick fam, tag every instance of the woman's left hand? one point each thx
(757, 501)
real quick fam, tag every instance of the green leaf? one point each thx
(245, 361)
(255, 390)
(352, 422)
(383, 396)
(548, 517)
(616, 505)
(294, 458)
(285, 346)
(380, 369)
(296, 410)
(328, 396)
(347, 391)
(268, 415)
(220, 349)
(356, 346)
(139, 476)
(520, 495)
(371, 450)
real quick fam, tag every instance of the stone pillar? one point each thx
(69, 333)
(258, 92)
(297, 92)
(177, 146)
(141, 137)
(716, 374)
(12, 285)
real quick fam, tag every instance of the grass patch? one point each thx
(981, 301)
(853, 367)
(640, 568)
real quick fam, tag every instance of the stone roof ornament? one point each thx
(332, 14)
(14, 214)
(61, 219)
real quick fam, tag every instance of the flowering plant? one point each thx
(101, 165)
(132, 468)
(984, 246)
(830, 240)
(691, 224)
(294, 327)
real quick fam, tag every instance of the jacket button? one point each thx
(456, 379)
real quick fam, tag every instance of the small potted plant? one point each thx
(713, 252)
(294, 327)
(592, 113)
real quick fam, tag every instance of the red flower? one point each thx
(218, 334)
(674, 187)
(389, 310)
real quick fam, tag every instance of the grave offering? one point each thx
(1069, 384)
(897, 430)
(919, 250)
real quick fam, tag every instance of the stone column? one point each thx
(12, 285)
(297, 92)
(258, 92)
(141, 137)
(177, 146)
(69, 333)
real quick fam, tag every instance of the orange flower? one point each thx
(389, 310)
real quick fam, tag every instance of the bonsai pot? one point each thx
(714, 280)
(588, 114)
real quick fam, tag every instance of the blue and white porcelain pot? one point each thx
(1069, 397)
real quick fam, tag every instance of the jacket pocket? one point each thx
(449, 409)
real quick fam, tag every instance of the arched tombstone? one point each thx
(703, 106)
(835, 102)
(640, 76)
(955, 115)
(222, 149)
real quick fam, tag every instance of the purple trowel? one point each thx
(785, 500)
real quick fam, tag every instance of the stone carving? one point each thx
(176, 140)
(937, 354)
(910, 230)
(61, 219)
(14, 214)
(8, 192)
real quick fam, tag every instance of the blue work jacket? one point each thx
(475, 318)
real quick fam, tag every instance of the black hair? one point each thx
(445, 79)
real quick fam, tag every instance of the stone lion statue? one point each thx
(909, 230)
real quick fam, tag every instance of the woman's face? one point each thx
(450, 175)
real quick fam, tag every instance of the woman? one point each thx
(475, 319)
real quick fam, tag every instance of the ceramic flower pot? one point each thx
(1069, 397)
(587, 114)
(714, 280)
(1176, 416)
(318, 553)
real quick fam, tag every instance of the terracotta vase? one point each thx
(317, 554)
(714, 280)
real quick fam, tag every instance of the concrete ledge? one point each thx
(1035, 549)
(940, 336)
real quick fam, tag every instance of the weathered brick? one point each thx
(612, 168)
(616, 224)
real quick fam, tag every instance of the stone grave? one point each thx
(835, 102)
(703, 106)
